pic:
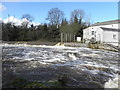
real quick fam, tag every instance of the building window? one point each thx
(92, 32)
(114, 36)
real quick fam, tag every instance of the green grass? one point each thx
(35, 85)
(23, 83)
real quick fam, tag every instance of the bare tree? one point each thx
(79, 14)
(55, 16)
(88, 20)
(28, 18)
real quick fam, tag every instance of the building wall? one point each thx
(111, 37)
(86, 34)
(101, 35)
(97, 34)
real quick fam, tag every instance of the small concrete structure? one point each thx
(78, 39)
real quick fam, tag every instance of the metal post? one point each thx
(66, 37)
(70, 37)
(74, 38)
(61, 37)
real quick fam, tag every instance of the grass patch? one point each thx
(35, 85)
(93, 46)
(17, 83)
(23, 83)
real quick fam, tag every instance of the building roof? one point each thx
(110, 29)
(107, 22)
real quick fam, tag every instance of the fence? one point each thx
(65, 37)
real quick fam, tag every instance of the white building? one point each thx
(104, 32)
